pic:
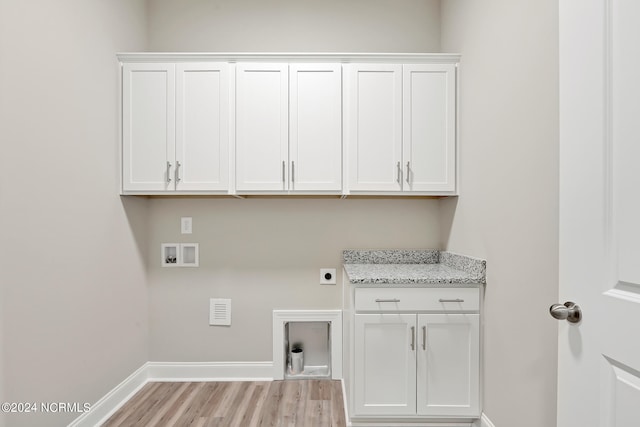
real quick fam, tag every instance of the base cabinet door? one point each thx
(385, 364)
(448, 380)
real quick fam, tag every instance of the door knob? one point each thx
(569, 311)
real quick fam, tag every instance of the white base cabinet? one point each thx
(385, 368)
(448, 365)
(415, 354)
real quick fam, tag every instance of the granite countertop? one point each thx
(412, 267)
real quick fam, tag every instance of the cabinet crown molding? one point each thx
(406, 58)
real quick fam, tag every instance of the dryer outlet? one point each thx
(327, 276)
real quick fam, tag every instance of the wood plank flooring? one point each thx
(300, 403)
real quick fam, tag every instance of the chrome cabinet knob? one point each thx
(568, 311)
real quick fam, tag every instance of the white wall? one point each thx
(75, 298)
(293, 25)
(508, 209)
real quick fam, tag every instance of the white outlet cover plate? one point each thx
(186, 225)
(325, 281)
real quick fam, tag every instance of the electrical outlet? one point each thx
(327, 276)
(186, 225)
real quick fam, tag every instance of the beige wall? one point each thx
(75, 298)
(264, 254)
(294, 25)
(508, 210)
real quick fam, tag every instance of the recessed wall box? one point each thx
(180, 255)
(170, 254)
(190, 256)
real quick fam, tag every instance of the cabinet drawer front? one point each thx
(417, 299)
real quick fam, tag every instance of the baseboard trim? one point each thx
(113, 400)
(171, 372)
(485, 421)
(210, 371)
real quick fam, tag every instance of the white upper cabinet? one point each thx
(401, 128)
(429, 127)
(175, 127)
(202, 127)
(262, 134)
(148, 126)
(315, 128)
(361, 124)
(288, 127)
(373, 127)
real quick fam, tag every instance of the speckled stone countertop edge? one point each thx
(419, 285)
(475, 267)
(420, 267)
(391, 256)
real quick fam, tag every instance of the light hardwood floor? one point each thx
(300, 403)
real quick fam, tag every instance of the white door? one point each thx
(373, 126)
(429, 127)
(385, 364)
(262, 134)
(148, 127)
(202, 127)
(599, 357)
(315, 136)
(448, 371)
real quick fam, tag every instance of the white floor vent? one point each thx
(220, 311)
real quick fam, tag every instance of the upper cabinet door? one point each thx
(262, 127)
(148, 127)
(315, 130)
(429, 113)
(373, 127)
(202, 127)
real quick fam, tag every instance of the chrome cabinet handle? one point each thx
(387, 300)
(569, 311)
(399, 172)
(413, 338)
(283, 173)
(168, 172)
(177, 174)
(424, 337)
(408, 173)
(451, 300)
